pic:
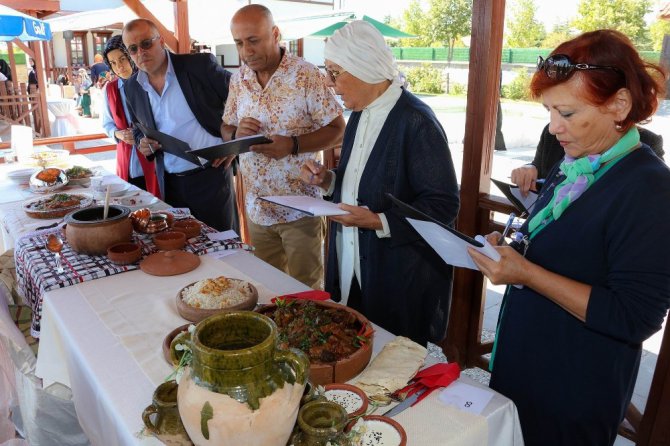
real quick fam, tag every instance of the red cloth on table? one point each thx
(431, 378)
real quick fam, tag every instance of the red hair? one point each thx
(644, 80)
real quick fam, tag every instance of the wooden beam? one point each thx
(480, 124)
(41, 87)
(12, 62)
(25, 48)
(138, 8)
(33, 5)
(181, 26)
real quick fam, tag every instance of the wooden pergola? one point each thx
(463, 343)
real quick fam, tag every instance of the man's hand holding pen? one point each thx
(314, 173)
(149, 147)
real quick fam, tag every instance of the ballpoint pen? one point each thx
(510, 220)
(318, 165)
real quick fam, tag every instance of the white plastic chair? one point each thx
(42, 416)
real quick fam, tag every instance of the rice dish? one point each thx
(220, 292)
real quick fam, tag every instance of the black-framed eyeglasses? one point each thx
(559, 66)
(334, 74)
(144, 44)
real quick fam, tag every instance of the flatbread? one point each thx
(391, 369)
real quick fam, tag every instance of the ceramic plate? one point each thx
(21, 176)
(353, 399)
(136, 200)
(115, 190)
(168, 341)
(381, 430)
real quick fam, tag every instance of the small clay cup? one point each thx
(169, 240)
(124, 253)
(167, 421)
(190, 227)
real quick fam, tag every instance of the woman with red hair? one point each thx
(590, 265)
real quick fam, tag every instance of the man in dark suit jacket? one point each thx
(182, 96)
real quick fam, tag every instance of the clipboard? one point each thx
(412, 212)
(506, 189)
(314, 207)
(177, 147)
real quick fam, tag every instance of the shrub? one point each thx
(457, 89)
(518, 89)
(425, 79)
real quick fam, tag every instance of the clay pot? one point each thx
(240, 389)
(124, 253)
(169, 240)
(190, 227)
(167, 424)
(87, 233)
(321, 423)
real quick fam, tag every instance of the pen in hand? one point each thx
(318, 165)
(510, 220)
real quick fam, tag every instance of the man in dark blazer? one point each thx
(182, 96)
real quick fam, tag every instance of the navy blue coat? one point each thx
(570, 380)
(406, 287)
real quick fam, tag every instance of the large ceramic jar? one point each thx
(240, 389)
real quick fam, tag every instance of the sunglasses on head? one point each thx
(559, 66)
(144, 44)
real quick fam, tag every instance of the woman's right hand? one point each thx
(125, 136)
(525, 177)
(148, 146)
(312, 172)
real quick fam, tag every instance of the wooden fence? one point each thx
(20, 105)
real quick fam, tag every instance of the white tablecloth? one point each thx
(64, 123)
(103, 338)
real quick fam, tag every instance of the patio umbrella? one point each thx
(15, 25)
(387, 31)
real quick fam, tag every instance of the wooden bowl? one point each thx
(167, 342)
(353, 399)
(124, 253)
(343, 370)
(190, 227)
(195, 315)
(169, 240)
(380, 427)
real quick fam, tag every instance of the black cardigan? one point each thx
(406, 287)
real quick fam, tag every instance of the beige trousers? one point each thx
(295, 248)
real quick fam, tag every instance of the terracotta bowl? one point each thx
(197, 314)
(169, 240)
(190, 227)
(344, 369)
(168, 341)
(353, 399)
(377, 426)
(124, 253)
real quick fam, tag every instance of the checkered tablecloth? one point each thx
(36, 267)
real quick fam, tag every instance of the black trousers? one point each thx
(355, 299)
(208, 193)
(138, 182)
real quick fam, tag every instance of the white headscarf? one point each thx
(359, 48)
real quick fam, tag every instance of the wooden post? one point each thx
(480, 124)
(41, 88)
(12, 61)
(138, 8)
(181, 30)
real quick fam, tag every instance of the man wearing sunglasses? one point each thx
(182, 95)
(285, 98)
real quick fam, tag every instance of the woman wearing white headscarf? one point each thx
(394, 144)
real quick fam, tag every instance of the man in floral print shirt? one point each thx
(285, 98)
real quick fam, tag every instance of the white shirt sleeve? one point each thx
(106, 117)
(385, 231)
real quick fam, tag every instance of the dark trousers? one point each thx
(208, 193)
(355, 299)
(138, 182)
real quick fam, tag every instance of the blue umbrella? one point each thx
(15, 25)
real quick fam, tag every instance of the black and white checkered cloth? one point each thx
(36, 266)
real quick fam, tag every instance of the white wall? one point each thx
(60, 53)
(313, 51)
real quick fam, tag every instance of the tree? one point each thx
(559, 34)
(658, 30)
(449, 20)
(626, 16)
(415, 21)
(523, 29)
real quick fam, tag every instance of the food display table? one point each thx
(103, 339)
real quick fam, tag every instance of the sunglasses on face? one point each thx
(144, 44)
(334, 74)
(559, 66)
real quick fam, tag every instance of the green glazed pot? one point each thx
(321, 422)
(235, 354)
(166, 423)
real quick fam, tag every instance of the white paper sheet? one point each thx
(528, 201)
(316, 207)
(466, 398)
(225, 235)
(452, 249)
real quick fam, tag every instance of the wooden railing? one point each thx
(20, 105)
